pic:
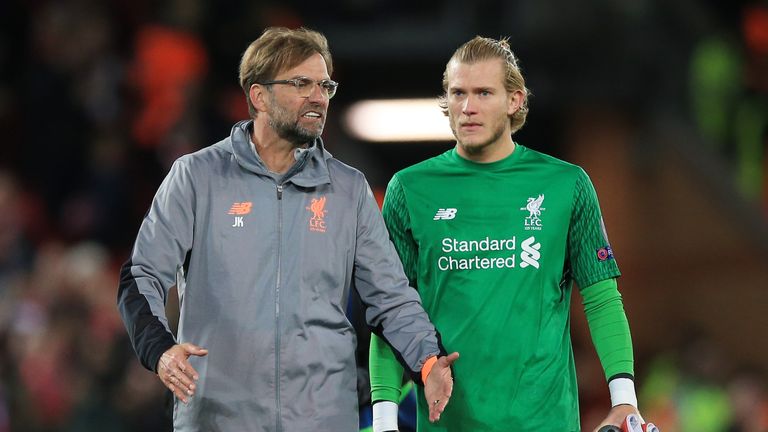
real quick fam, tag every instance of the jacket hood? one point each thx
(311, 168)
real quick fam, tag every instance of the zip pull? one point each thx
(279, 192)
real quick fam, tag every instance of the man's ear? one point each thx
(257, 97)
(515, 101)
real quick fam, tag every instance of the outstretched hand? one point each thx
(176, 372)
(439, 386)
(617, 415)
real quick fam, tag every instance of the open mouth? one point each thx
(312, 115)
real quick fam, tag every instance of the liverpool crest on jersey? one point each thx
(534, 209)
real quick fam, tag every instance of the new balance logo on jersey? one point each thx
(530, 254)
(445, 214)
(534, 209)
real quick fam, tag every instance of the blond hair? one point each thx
(480, 49)
(276, 50)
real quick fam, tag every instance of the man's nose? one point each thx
(468, 107)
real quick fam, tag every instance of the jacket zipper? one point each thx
(277, 301)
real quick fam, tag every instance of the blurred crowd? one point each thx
(728, 88)
(691, 387)
(98, 98)
(66, 362)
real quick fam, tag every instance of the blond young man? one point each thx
(493, 234)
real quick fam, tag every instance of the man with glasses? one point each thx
(265, 235)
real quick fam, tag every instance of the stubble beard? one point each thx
(478, 147)
(288, 128)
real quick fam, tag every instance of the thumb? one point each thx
(194, 349)
(448, 360)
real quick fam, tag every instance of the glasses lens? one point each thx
(305, 86)
(329, 87)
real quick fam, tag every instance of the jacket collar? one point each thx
(311, 169)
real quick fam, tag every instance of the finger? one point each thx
(194, 349)
(185, 382)
(179, 380)
(185, 369)
(177, 392)
(449, 359)
(167, 371)
(441, 406)
(190, 372)
(436, 408)
(433, 416)
(445, 388)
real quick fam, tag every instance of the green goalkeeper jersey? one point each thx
(493, 250)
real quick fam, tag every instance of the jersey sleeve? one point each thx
(398, 221)
(385, 372)
(609, 328)
(590, 253)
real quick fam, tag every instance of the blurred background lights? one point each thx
(396, 120)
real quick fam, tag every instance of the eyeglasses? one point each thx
(304, 85)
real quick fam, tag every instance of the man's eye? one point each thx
(302, 82)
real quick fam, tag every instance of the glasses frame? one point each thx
(328, 87)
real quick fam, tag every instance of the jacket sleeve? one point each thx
(393, 309)
(163, 242)
(385, 372)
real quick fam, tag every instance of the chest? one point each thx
(491, 207)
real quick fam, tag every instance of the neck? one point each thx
(488, 153)
(276, 153)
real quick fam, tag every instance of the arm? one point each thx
(610, 334)
(163, 242)
(385, 372)
(595, 269)
(386, 376)
(393, 309)
(609, 329)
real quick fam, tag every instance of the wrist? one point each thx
(622, 392)
(384, 416)
(427, 368)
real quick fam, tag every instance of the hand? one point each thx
(617, 415)
(176, 372)
(439, 386)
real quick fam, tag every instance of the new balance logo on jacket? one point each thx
(239, 209)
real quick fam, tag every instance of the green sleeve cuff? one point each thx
(385, 371)
(609, 328)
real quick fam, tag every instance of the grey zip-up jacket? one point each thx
(264, 266)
